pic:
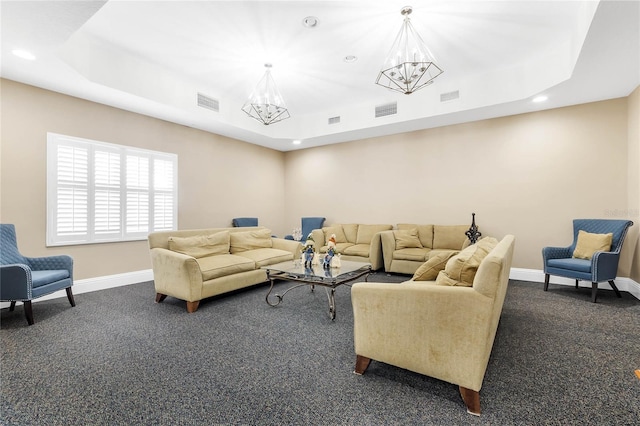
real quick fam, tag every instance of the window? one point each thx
(100, 192)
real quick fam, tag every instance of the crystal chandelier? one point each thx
(409, 65)
(265, 103)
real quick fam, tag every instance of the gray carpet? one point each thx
(118, 358)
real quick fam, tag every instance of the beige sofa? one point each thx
(357, 242)
(444, 328)
(410, 245)
(195, 264)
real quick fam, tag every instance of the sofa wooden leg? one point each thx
(361, 364)
(70, 296)
(160, 297)
(613, 286)
(471, 399)
(192, 306)
(594, 292)
(546, 282)
(28, 311)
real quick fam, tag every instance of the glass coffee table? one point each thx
(330, 278)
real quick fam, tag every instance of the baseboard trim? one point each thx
(536, 275)
(98, 283)
(128, 278)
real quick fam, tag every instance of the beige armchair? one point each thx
(441, 331)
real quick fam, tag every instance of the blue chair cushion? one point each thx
(581, 265)
(40, 278)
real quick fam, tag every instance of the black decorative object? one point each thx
(473, 234)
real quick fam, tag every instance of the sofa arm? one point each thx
(439, 331)
(295, 247)
(176, 274)
(604, 265)
(388, 240)
(16, 282)
(375, 252)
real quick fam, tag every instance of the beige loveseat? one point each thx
(410, 245)
(195, 264)
(357, 242)
(444, 328)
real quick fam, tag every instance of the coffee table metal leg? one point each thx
(332, 303)
(276, 295)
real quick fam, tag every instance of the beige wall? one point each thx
(528, 175)
(219, 178)
(634, 181)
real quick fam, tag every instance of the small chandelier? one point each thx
(265, 103)
(409, 65)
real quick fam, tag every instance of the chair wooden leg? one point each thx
(546, 282)
(613, 286)
(594, 292)
(471, 399)
(192, 306)
(70, 296)
(160, 297)
(576, 283)
(13, 305)
(28, 311)
(361, 364)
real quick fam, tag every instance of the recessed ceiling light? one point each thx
(24, 54)
(350, 58)
(310, 22)
(540, 98)
(297, 142)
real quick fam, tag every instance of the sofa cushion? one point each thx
(428, 271)
(362, 250)
(266, 256)
(223, 265)
(425, 233)
(340, 247)
(351, 232)
(437, 252)
(334, 229)
(589, 243)
(366, 232)
(201, 245)
(414, 254)
(449, 236)
(461, 269)
(248, 240)
(407, 238)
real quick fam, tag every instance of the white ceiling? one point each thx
(154, 57)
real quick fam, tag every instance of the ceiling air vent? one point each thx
(388, 109)
(205, 101)
(449, 96)
(334, 120)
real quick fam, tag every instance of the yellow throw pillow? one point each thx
(249, 240)
(201, 245)
(407, 238)
(428, 271)
(589, 243)
(461, 269)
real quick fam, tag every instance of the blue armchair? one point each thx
(308, 225)
(602, 266)
(244, 221)
(27, 278)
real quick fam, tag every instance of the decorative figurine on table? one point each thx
(308, 251)
(331, 251)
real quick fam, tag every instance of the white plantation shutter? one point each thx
(100, 192)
